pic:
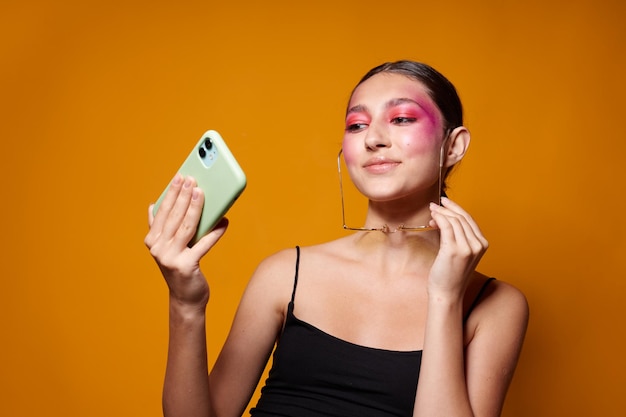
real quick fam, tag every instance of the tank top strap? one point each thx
(295, 278)
(478, 297)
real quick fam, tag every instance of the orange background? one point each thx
(101, 100)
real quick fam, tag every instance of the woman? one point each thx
(358, 320)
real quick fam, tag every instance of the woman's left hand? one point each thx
(461, 246)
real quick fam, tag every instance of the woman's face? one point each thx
(393, 138)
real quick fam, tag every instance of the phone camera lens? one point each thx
(202, 152)
(208, 144)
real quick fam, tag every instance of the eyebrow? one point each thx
(391, 103)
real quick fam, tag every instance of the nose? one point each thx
(376, 137)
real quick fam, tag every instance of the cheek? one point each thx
(423, 141)
(349, 151)
(427, 135)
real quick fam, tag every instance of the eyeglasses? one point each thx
(385, 228)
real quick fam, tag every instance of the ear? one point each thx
(458, 143)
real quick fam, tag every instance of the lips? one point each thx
(380, 165)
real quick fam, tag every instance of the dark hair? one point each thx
(440, 89)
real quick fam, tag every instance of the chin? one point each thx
(386, 196)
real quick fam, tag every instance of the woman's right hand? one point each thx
(170, 232)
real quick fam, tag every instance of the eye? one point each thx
(355, 127)
(403, 120)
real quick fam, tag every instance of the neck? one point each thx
(404, 249)
(404, 213)
(400, 251)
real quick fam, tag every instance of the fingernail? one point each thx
(187, 183)
(195, 194)
(177, 179)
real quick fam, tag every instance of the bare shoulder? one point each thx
(274, 276)
(279, 269)
(331, 251)
(507, 299)
(272, 283)
(278, 263)
(502, 308)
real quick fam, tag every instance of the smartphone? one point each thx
(218, 174)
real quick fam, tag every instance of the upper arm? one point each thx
(492, 354)
(255, 329)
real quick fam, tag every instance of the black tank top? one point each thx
(315, 374)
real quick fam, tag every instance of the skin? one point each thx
(402, 131)
(397, 291)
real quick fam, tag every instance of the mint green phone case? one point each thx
(218, 174)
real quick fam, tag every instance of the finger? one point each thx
(466, 245)
(203, 245)
(153, 233)
(456, 232)
(149, 239)
(178, 211)
(167, 203)
(446, 230)
(150, 214)
(456, 210)
(189, 223)
(460, 249)
(451, 205)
